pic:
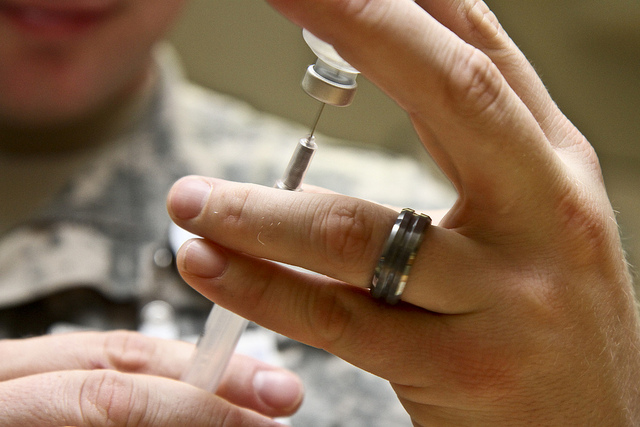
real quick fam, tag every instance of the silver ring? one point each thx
(399, 252)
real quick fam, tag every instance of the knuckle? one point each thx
(371, 13)
(230, 417)
(129, 351)
(474, 86)
(236, 210)
(235, 205)
(328, 318)
(107, 397)
(484, 25)
(259, 295)
(346, 231)
(589, 228)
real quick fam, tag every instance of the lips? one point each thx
(56, 19)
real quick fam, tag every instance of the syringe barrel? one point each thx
(298, 165)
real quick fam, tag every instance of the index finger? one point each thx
(124, 351)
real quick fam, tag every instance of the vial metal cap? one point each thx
(328, 91)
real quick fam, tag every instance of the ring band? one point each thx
(399, 252)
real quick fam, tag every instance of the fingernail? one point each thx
(278, 389)
(203, 260)
(188, 197)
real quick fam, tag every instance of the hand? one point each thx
(519, 307)
(124, 378)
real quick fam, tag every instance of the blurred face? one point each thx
(63, 59)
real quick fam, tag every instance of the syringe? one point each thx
(221, 334)
(224, 328)
(331, 81)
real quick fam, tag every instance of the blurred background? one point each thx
(587, 52)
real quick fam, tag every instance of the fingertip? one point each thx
(280, 390)
(187, 197)
(202, 259)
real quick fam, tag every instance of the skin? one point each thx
(123, 378)
(519, 309)
(52, 77)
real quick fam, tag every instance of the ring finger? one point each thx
(318, 310)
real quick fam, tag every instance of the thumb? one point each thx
(106, 397)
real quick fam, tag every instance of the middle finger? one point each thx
(338, 236)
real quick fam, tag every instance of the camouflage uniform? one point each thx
(97, 252)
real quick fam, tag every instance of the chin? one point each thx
(51, 113)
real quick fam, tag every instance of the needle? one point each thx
(315, 124)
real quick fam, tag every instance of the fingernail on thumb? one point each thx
(278, 389)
